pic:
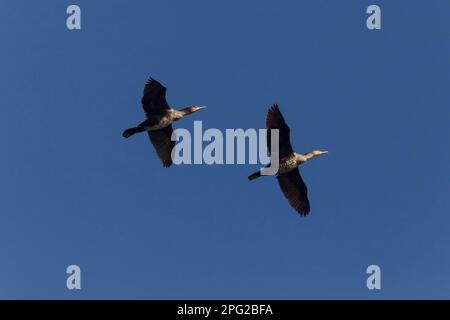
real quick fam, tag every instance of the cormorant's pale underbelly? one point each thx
(284, 169)
(287, 165)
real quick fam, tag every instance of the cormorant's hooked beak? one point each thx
(196, 108)
(319, 152)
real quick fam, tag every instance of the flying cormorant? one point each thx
(288, 175)
(160, 117)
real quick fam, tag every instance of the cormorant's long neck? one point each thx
(185, 111)
(311, 155)
(299, 158)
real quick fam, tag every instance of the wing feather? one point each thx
(154, 98)
(275, 120)
(161, 140)
(295, 190)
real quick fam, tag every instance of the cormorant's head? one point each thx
(196, 108)
(319, 152)
(190, 110)
(314, 153)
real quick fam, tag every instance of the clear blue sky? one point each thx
(73, 191)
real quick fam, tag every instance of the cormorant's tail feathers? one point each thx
(129, 132)
(255, 175)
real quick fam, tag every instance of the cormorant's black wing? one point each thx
(295, 190)
(275, 120)
(161, 140)
(154, 99)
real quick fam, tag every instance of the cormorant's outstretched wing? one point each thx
(161, 140)
(295, 190)
(275, 120)
(154, 99)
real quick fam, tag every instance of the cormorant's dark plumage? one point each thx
(154, 99)
(160, 117)
(295, 190)
(162, 141)
(288, 176)
(275, 120)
